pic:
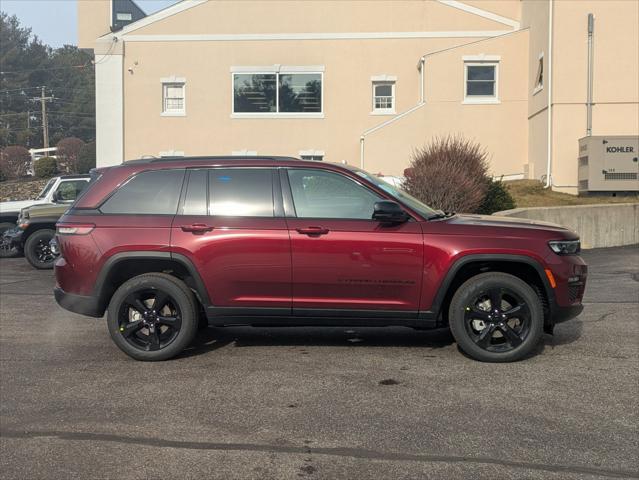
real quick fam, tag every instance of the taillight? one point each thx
(74, 228)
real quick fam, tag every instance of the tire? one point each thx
(487, 335)
(148, 337)
(5, 250)
(37, 250)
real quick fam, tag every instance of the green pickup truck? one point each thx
(34, 230)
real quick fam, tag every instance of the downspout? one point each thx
(549, 132)
(362, 138)
(591, 30)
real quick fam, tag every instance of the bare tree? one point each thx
(449, 173)
(68, 153)
(14, 162)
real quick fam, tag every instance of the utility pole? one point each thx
(45, 121)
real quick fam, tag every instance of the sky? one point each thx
(55, 21)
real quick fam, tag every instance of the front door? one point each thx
(343, 261)
(229, 226)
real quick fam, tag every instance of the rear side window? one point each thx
(155, 192)
(241, 192)
(70, 190)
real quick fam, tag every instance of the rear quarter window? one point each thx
(154, 192)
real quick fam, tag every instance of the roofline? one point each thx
(154, 17)
(184, 5)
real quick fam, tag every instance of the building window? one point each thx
(383, 97)
(316, 155)
(173, 98)
(539, 79)
(480, 82)
(280, 93)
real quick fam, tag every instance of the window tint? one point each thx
(195, 198)
(69, 191)
(241, 192)
(320, 194)
(155, 192)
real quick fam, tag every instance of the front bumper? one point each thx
(563, 314)
(12, 238)
(84, 305)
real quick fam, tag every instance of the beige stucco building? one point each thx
(365, 82)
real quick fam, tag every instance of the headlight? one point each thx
(565, 247)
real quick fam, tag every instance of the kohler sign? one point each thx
(617, 149)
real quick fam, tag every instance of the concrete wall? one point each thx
(608, 225)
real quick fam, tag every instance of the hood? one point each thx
(489, 221)
(16, 206)
(47, 209)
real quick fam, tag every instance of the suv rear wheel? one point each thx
(152, 317)
(496, 317)
(37, 249)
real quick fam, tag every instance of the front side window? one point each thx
(322, 194)
(241, 192)
(384, 97)
(173, 99)
(481, 81)
(285, 93)
(68, 191)
(155, 192)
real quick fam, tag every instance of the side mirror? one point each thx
(58, 197)
(387, 211)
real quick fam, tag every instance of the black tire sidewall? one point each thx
(179, 292)
(469, 291)
(29, 249)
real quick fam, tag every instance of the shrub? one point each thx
(449, 173)
(68, 152)
(86, 158)
(46, 167)
(14, 162)
(497, 198)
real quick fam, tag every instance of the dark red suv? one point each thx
(163, 244)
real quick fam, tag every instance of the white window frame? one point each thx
(481, 61)
(173, 80)
(312, 153)
(383, 80)
(277, 70)
(540, 66)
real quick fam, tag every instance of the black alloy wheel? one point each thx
(498, 320)
(496, 317)
(153, 316)
(149, 319)
(38, 251)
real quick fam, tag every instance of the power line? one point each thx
(45, 69)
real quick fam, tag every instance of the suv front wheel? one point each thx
(152, 317)
(38, 251)
(496, 317)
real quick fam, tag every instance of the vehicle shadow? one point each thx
(213, 338)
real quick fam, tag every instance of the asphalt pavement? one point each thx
(319, 403)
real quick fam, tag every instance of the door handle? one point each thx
(196, 228)
(312, 230)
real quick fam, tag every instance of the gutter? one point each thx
(549, 127)
(420, 66)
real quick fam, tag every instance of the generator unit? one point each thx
(608, 164)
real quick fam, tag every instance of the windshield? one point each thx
(397, 193)
(43, 194)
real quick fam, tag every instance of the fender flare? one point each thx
(485, 257)
(117, 258)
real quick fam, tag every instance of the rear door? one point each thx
(344, 262)
(231, 226)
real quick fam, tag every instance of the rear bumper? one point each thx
(84, 305)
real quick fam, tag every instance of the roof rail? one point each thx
(214, 157)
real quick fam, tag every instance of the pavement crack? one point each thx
(306, 450)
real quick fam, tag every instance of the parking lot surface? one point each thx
(319, 403)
